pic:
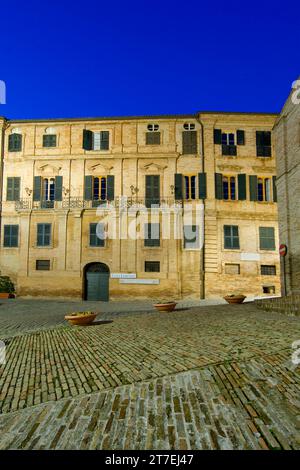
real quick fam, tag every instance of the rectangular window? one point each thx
(13, 189)
(43, 234)
(267, 238)
(152, 183)
(268, 289)
(267, 270)
(229, 192)
(97, 235)
(15, 142)
(264, 189)
(101, 140)
(228, 144)
(190, 186)
(231, 237)
(231, 268)
(191, 237)
(42, 265)
(263, 144)
(152, 235)
(49, 140)
(152, 138)
(189, 142)
(11, 236)
(152, 266)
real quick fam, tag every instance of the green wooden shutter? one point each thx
(88, 188)
(152, 138)
(6, 241)
(178, 186)
(87, 140)
(10, 189)
(217, 136)
(242, 187)
(110, 187)
(58, 188)
(14, 235)
(152, 190)
(104, 140)
(202, 185)
(15, 142)
(17, 181)
(253, 187)
(219, 185)
(240, 137)
(37, 186)
(274, 189)
(189, 142)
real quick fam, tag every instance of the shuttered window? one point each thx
(267, 238)
(189, 142)
(152, 235)
(191, 237)
(49, 140)
(97, 234)
(43, 234)
(15, 142)
(263, 144)
(152, 190)
(13, 188)
(152, 138)
(231, 237)
(101, 140)
(11, 236)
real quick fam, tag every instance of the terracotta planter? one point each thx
(81, 319)
(235, 299)
(6, 295)
(165, 307)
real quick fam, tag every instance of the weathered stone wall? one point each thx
(290, 305)
(287, 142)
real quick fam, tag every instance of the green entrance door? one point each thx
(97, 282)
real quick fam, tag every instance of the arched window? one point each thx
(189, 126)
(153, 127)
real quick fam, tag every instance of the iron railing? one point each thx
(121, 202)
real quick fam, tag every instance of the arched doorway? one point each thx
(96, 282)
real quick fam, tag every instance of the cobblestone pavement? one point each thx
(210, 377)
(242, 405)
(18, 316)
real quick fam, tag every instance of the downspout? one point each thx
(202, 252)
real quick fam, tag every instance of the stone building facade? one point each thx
(210, 177)
(287, 144)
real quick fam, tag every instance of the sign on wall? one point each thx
(139, 281)
(123, 275)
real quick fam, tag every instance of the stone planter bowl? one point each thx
(165, 307)
(81, 319)
(235, 299)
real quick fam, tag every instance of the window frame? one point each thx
(100, 178)
(148, 241)
(157, 263)
(100, 243)
(266, 238)
(102, 147)
(268, 266)
(42, 261)
(196, 242)
(264, 191)
(52, 139)
(232, 237)
(190, 176)
(230, 191)
(11, 237)
(44, 235)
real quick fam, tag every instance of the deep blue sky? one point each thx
(113, 58)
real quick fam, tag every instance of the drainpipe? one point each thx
(202, 252)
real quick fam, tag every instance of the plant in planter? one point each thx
(7, 288)
(235, 298)
(165, 305)
(81, 318)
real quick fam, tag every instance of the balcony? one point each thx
(121, 202)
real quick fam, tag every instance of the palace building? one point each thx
(163, 207)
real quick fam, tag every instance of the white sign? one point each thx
(139, 281)
(123, 275)
(250, 257)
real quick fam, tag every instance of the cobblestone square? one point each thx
(203, 377)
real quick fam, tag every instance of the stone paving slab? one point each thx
(18, 316)
(250, 404)
(71, 361)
